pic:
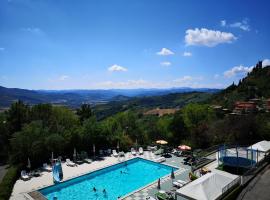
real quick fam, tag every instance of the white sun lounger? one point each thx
(70, 163)
(46, 167)
(179, 183)
(88, 160)
(140, 150)
(115, 154)
(24, 175)
(160, 159)
(133, 152)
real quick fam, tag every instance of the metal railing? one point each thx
(231, 185)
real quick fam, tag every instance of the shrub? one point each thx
(8, 181)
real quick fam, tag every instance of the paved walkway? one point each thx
(258, 188)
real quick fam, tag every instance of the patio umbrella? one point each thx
(184, 147)
(136, 144)
(94, 150)
(161, 142)
(172, 174)
(118, 146)
(52, 158)
(74, 154)
(158, 184)
(28, 164)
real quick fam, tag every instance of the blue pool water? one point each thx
(136, 173)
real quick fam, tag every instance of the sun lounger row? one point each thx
(160, 159)
(70, 163)
(179, 183)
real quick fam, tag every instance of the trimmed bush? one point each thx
(8, 181)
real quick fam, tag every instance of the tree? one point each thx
(194, 114)
(178, 128)
(17, 115)
(84, 112)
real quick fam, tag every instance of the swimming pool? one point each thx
(118, 180)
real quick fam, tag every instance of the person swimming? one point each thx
(104, 191)
(94, 189)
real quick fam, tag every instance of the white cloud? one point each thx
(223, 23)
(63, 78)
(206, 37)
(266, 62)
(117, 68)
(237, 71)
(242, 70)
(165, 52)
(2, 49)
(33, 30)
(165, 64)
(185, 81)
(187, 54)
(243, 25)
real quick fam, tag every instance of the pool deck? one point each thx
(166, 182)
(22, 188)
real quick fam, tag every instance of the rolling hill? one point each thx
(74, 98)
(255, 85)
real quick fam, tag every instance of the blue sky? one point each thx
(87, 44)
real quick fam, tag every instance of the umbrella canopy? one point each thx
(28, 164)
(161, 142)
(184, 147)
(94, 148)
(158, 184)
(74, 154)
(172, 174)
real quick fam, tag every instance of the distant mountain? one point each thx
(255, 85)
(74, 98)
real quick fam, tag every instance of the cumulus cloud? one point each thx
(206, 37)
(266, 62)
(117, 68)
(242, 70)
(243, 25)
(237, 71)
(165, 52)
(187, 54)
(165, 64)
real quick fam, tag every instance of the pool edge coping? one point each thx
(106, 166)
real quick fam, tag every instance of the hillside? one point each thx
(173, 100)
(255, 85)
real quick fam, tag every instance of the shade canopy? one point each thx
(207, 187)
(263, 146)
(184, 147)
(161, 142)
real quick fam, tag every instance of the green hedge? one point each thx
(8, 181)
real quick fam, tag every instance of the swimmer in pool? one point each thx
(94, 189)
